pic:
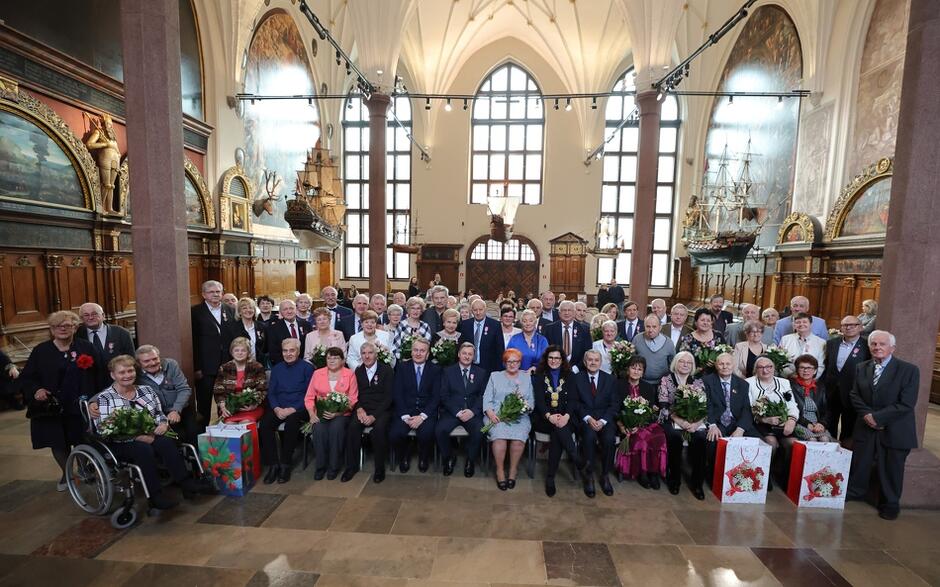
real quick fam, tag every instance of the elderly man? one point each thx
(286, 390)
(462, 386)
(378, 304)
(884, 396)
(799, 305)
(352, 324)
(598, 405)
(109, 340)
(230, 300)
(656, 349)
(373, 409)
(166, 378)
(677, 327)
(569, 335)
(722, 317)
(486, 335)
(580, 311)
(729, 409)
(399, 298)
(417, 400)
(207, 320)
(734, 333)
(433, 315)
(843, 355)
(658, 306)
(287, 326)
(330, 297)
(535, 305)
(548, 306)
(303, 303)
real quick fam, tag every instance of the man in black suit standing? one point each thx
(569, 335)
(109, 340)
(884, 397)
(433, 315)
(630, 326)
(378, 304)
(208, 319)
(486, 335)
(462, 386)
(330, 297)
(676, 328)
(287, 326)
(350, 324)
(549, 312)
(722, 317)
(729, 410)
(373, 408)
(843, 355)
(417, 399)
(598, 404)
(616, 295)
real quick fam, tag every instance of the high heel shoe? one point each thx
(502, 485)
(511, 483)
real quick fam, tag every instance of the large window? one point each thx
(508, 119)
(618, 192)
(356, 186)
(511, 250)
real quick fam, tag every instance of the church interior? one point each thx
(755, 150)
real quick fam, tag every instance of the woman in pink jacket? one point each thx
(329, 427)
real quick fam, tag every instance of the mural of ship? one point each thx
(722, 224)
(317, 212)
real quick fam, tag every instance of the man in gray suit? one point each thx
(676, 328)
(884, 396)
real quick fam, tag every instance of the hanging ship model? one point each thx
(606, 245)
(317, 212)
(721, 225)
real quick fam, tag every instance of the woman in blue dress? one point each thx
(530, 343)
(508, 436)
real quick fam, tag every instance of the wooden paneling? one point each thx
(23, 290)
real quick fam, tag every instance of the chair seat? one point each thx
(542, 437)
(459, 432)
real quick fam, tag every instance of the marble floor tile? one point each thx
(334, 488)
(579, 563)
(824, 529)
(443, 518)
(17, 492)
(305, 512)
(249, 510)
(723, 565)
(635, 526)
(372, 515)
(494, 561)
(171, 543)
(799, 566)
(85, 539)
(549, 521)
(271, 550)
(412, 486)
(69, 571)
(870, 567)
(36, 522)
(913, 530)
(726, 528)
(9, 562)
(925, 563)
(283, 579)
(162, 575)
(375, 555)
(659, 564)
(39, 465)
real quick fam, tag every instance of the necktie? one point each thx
(97, 342)
(466, 379)
(566, 341)
(358, 324)
(631, 331)
(477, 334)
(593, 386)
(418, 375)
(878, 369)
(726, 417)
(293, 331)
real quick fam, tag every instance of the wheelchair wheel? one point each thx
(124, 518)
(89, 480)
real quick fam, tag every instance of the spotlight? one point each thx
(447, 106)
(594, 103)
(338, 57)
(730, 100)
(556, 103)
(427, 103)
(779, 101)
(309, 101)
(349, 104)
(568, 105)
(464, 103)
(660, 96)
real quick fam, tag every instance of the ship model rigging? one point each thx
(318, 209)
(606, 244)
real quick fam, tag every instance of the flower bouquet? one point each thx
(636, 413)
(779, 357)
(404, 349)
(383, 355)
(764, 407)
(334, 402)
(510, 410)
(745, 478)
(237, 402)
(834, 333)
(129, 423)
(444, 353)
(620, 354)
(319, 357)
(823, 483)
(691, 405)
(706, 355)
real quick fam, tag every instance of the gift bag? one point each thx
(230, 456)
(819, 475)
(741, 468)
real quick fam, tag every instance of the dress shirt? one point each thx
(370, 371)
(296, 331)
(548, 315)
(627, 324)
(157, 377)
(419, 368)
(102, 335)
(216, 313)
(845, 349)
(675, 334)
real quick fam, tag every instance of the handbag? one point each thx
(38, 410)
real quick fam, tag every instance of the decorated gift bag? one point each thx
(741, 468)
(230, 456)
(819, 475)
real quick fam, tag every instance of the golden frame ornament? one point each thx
(193, 174)
(852, 191)
(230, 203)
(801, 220)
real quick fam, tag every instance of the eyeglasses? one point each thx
(764, 367)
(554, 358)
(806, 368)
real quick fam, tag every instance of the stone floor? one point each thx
(425, 529)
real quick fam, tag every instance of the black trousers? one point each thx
(446, 424)
(839, 411)
(398, 437)
(267, 436)
(329, 436)
(203, 393)
(145, 456)
(378, 436)
(867, 450)
(187, 427)
(560, 439)
(695, 457)
(589, 440)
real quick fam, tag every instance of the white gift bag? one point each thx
(819, 475)
(742, 469)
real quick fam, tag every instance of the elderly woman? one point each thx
(464, 309)
(322, 335)
(770, 317)
(810, 396)
(507, 319)
(645, 458)
(606, 343)
(704, 336)
(556, 400)
(394, 313)
(412, 325)
(529, 341)
(143, 450)
(803, 342)
(266, 313)
(57, 373)
(370, 333)
(237, 375)
(507, 436)
(329, 429)
(610, 310)
(868, 315)
(450, 321)
(245, 326)
(774, 430)
(657, 349)
(678, 428)
(746, 352)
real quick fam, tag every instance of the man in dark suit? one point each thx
(433, 315)
(287, 326)
(417, 399)
(535, 305)
(373, 408)
(207, 320)
(722, 317)
(378, 304)
(598, 404)
(843, 355)
(462, 386)
(109, 341)
(351, 324)
(884, 397)
(676, 328)
(330, 297)
(569, 335)
(549, 312)
(729, 410)
(616, 295)
(486, 335)
(630, 326)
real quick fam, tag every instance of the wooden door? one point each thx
(494, 267)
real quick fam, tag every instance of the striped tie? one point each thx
(878, 369)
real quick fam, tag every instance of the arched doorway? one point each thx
(493, 266)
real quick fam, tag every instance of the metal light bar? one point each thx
(365, 86)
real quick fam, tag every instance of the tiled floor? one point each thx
(425, 529)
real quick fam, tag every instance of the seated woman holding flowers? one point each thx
(556, 400)
(775, 410)
(329, 427)
(810, 396)
(683, 407)
(508, 435)
(370, 333)
(530, 342)
(141, 447)
(642, 455)
(236, 377)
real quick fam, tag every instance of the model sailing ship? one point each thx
(721, 225)
(606, 244)
(318, 209)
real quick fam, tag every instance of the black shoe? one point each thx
(319, 474)
(606, 487)
(654, 482)
(511, 483)
(423, 465)
(449, 466)
(643, 481)
(673, 487)
(161, 502)
(348, 474)
(284, 475)
(271, 476)
(404, 465)
(378, 476)
(331, 475)
(698, 493)
(589, 486)
(502, 485)
(469, 468)
(886, 514)
(550, 487)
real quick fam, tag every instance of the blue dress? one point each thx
(498, 387)
(531, 353)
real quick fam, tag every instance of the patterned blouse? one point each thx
(145, 398)
(667, 393)
(226, 383)
(404, 329)
(693, 345)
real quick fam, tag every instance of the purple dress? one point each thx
(645, 451)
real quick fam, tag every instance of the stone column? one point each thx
(378, 119)
(647, 164)
(910, 285)
(151, 41)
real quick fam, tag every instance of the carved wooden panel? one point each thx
(77, 282)
(24, 291)
(488, 278)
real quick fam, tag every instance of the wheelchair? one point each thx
(96, 479)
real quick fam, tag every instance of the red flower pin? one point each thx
(84, 361)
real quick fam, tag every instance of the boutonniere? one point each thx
(84, 361)
(855, 351)
(486, 330)
(787, 396)
(74, 354)
(375, 379)
(471, 377)
(110, 346)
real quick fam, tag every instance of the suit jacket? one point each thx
(434, 320)
(567, 396)
(722, 320)
(340, 312)
(375, 395)
(174, 391)
(491, 342)
(623, 325)
(236, 328)
(117, 341)
(891, 402)
(603, 406)
(667, 331)
(412, 399)
(841, 382)
(276, 334)
(207, 338)
(454, 397)
(347, 325)
(555, 316)
(740, 405)
(580, 340)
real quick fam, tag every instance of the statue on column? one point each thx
(102, 142)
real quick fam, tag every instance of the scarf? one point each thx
(808, 386)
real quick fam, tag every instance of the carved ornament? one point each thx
(53, 261)
(804, 222)
(872, 173)
(200, 182)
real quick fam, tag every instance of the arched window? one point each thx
(508, 121)
(618, 191)
(356, 186)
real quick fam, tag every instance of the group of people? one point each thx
(539, 372)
